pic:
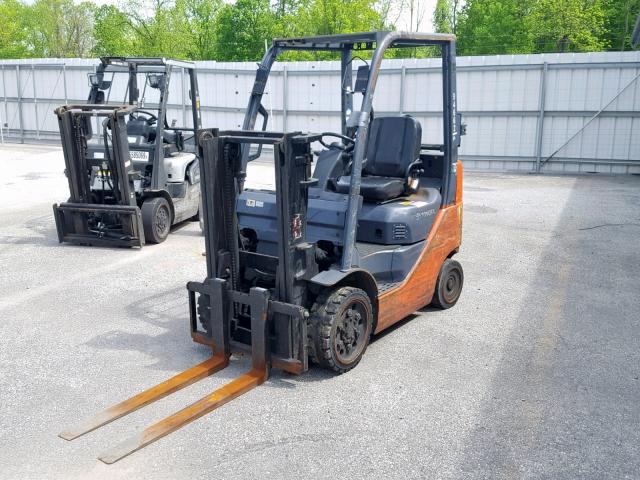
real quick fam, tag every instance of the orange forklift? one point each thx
(308, 272)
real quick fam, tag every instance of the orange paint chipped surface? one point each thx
(417, 289)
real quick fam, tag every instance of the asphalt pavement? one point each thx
(533, 374)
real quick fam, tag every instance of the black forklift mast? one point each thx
(74, 121)
(229, 264)
(357, 123)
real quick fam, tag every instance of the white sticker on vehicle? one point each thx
(98, 154)
(139, 155)
(251, 202)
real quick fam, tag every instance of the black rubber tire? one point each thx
(449, 284)
(156, 219)
(328, 316)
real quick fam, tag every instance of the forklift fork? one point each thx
(259, 372)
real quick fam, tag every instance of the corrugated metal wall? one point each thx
(520, 109)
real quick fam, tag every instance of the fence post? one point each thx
(19, 106)
(403, 76)
(541, 106)
(35, 99)
(64, 82)
(5, 95)
(285, 99)
(184, 100)
(4, 90)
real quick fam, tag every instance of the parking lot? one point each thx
(533, 374)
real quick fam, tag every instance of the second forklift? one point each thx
(132, 174)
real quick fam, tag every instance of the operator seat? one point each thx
(140, 128)
(394, 145)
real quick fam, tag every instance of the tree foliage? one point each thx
(237, 30)
(112, 32)
(242, 29)
(445, 16)
(619, 20)
(488, 27)
(567, 25)
(13, 32)
(513, 26)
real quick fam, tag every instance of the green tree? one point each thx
(59, 28)
(328, 17)
(13, 36)
(445, 16)
(112, 32)
(567, 25)
(159, 28)
(242, 29)
(200, 16)
(488, 27)
(620, 17)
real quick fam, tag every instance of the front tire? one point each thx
(448, 285)
(341, 324)
(156, 219)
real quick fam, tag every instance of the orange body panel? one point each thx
(417, 289)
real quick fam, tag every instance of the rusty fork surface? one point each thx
(259, 372)
(216, 399)
(175, 383)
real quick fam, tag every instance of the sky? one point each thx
(402, 14)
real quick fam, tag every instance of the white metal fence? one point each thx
(550, 113)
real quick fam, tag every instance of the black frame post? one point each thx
(346, 76)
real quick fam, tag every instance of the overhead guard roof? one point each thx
(363, 40)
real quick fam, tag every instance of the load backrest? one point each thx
(394, 143)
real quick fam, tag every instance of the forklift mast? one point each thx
(230, 265)
(74, 120)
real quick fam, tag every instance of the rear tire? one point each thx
(448, 285)
(341, 324)
(156, 219)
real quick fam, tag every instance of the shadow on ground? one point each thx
(169, 311)
(569, 370)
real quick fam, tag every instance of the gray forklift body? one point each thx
(362, 217)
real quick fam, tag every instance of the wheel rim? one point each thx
(351, 330)
(162, 222)
(452, 285)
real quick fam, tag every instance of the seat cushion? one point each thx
(372, 188)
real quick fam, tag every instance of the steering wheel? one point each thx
(151, 117)
(350, 141)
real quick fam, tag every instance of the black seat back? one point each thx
(140, 127)
(394, 143)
